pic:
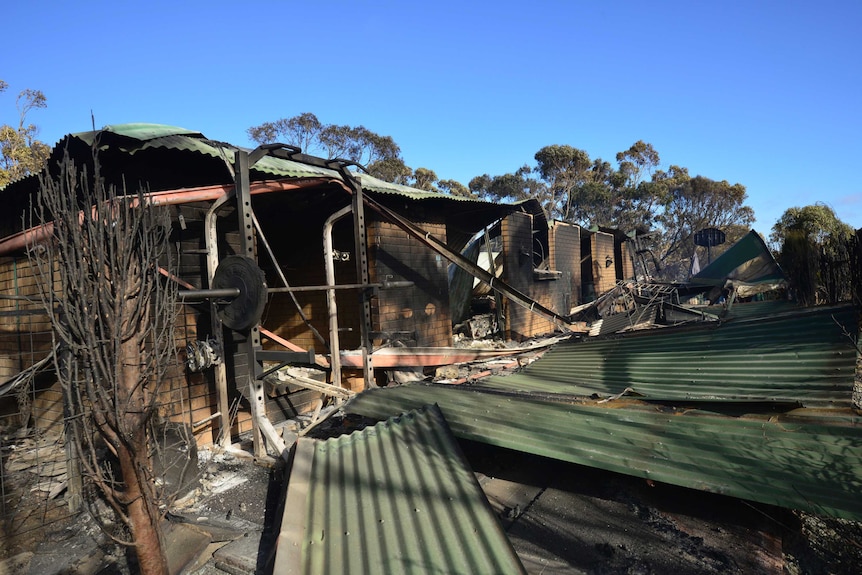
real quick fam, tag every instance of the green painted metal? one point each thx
(397, 497)
(136, 138)
(807, 356)
(748, 260)
(144, 131)
(806, 459)
(750, 309)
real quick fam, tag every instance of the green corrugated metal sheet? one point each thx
(135, 138)
(806, 356)
(748, 260)
(139, 137)
(751, 309)
(144, 131)
(811, 462)
(394, 498)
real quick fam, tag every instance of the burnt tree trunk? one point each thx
(111, 311)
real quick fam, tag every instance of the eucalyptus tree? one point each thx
(510, 187)
(21, 153)
(693, 204)
(306, 131)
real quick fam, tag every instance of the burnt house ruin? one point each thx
(336, 269)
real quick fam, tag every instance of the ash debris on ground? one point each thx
(561, 518)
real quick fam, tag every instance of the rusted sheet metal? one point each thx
(806, 459)
(394, 498)
(807, 356)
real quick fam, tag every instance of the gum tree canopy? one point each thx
(21, 153)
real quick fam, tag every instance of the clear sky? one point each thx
(762, 93)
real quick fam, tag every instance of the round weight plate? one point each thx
(242, 273)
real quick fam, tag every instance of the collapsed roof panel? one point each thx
(806, 356)
(748, 266)
(804, 460)
(394, 498)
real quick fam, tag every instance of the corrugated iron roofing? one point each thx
(167, 158)
(135, 138)
(749, 260)
(394, 498)
(806, 356)
(750, 309)
(811, 462)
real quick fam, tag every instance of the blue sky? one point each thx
(762, 93)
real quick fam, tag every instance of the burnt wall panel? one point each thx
(604, 270)
(418, 314)
(303, 265)
(627, 256)
(518, 265)
(565, 245)
(25, 329)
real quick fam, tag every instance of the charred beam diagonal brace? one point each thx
(462, 262)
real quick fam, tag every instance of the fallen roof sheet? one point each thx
(750, 309)
(811, 462)
(807, 356)
(397, 497)
(748, 265)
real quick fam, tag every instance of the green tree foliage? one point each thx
(380, 155)
(641, 188)
(392, 170)
(424, 179)
(21, 153)
(817, 223)
(357, 144)
(692, 204)
(454, 188)
(813, 246)
(508, 187)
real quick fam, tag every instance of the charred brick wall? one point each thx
(25, 329)
(518, 265)
(603, 266)
(625, 255)
(419, 313)
(303, 265)
(565, 248)
(25, 339)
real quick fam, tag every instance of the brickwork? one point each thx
(518, 265)
(626, 256)
(421, 310)
(565, 246)
(602, 252)
(25, 330)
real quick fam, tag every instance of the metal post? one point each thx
(220, 373)
(331, 306)
(362, 275)
(264, 432)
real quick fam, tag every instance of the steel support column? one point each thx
(264, 432)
